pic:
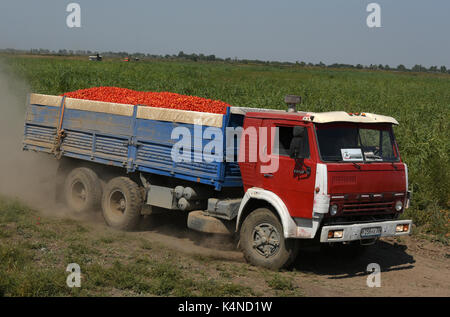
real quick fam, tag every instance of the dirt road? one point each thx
(164, 258)
(409, 267)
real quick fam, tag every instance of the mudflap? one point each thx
(198, 220)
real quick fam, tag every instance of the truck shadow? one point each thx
(336, 265)
(332, 263)
(174, 226)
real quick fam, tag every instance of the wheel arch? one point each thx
(257, 198)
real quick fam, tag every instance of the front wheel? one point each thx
(122, 203)
(263, 243)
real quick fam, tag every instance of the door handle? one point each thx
(268, 175)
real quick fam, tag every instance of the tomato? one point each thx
(151, 99)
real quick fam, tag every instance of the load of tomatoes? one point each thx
(151, 99)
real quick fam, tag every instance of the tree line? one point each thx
(212, 58)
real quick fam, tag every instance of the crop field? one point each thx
(138, 263)
(420, 102)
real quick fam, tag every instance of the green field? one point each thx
(35, 251)
(420, 102)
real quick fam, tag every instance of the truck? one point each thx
(96, 58)
(274, 179)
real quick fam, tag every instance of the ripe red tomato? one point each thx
(151, 99)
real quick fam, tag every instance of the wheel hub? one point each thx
(118, 203)
(79, 194)
(82, 194)
(122, 205)
(266, 239)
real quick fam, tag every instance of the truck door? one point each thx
(294, 180)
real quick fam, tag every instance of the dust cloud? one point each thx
(24, 175)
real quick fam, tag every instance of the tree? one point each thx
(401, 68)
(419, 68)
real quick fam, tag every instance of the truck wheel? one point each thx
(263, 243)
(122, 203)
(82, 190)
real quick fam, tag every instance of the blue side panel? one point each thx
(97, 122)
(40, 133)
(43, 115)
(97, 136)
(40, 128)
(232, 170)
(154, 151)
(134, 144)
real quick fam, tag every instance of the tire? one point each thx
(122, 203)
(256, 228)
(82, 190)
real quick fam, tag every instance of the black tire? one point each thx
(82, 190)
(274, 256)
(122, 203)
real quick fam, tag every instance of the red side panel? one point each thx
(248, 149)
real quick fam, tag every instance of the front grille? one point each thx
(358, 207)
(350, 219)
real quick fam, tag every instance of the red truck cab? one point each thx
(347, 184)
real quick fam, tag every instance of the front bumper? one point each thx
(353, 232)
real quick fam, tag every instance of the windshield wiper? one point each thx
(357, 165)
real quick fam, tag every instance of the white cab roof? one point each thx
(324, 117)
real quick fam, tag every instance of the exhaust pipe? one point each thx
(292, 101)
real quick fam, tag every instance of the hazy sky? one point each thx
(412, 32)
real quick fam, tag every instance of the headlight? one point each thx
(402, 228)
(333, 210)
(399, 205)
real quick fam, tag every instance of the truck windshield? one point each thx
(339, 142)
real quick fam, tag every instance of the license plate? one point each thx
(371, 232)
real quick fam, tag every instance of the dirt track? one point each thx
(409, 267)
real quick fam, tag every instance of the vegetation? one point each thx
(420, 102)
(181, 56)
(35, 251)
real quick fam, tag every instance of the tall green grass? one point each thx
(420, 102)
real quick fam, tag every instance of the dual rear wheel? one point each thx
(122, 203)
(120, 199)
(82, 190)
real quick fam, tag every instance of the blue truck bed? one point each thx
(136, 138)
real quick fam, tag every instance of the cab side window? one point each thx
(283, 140)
